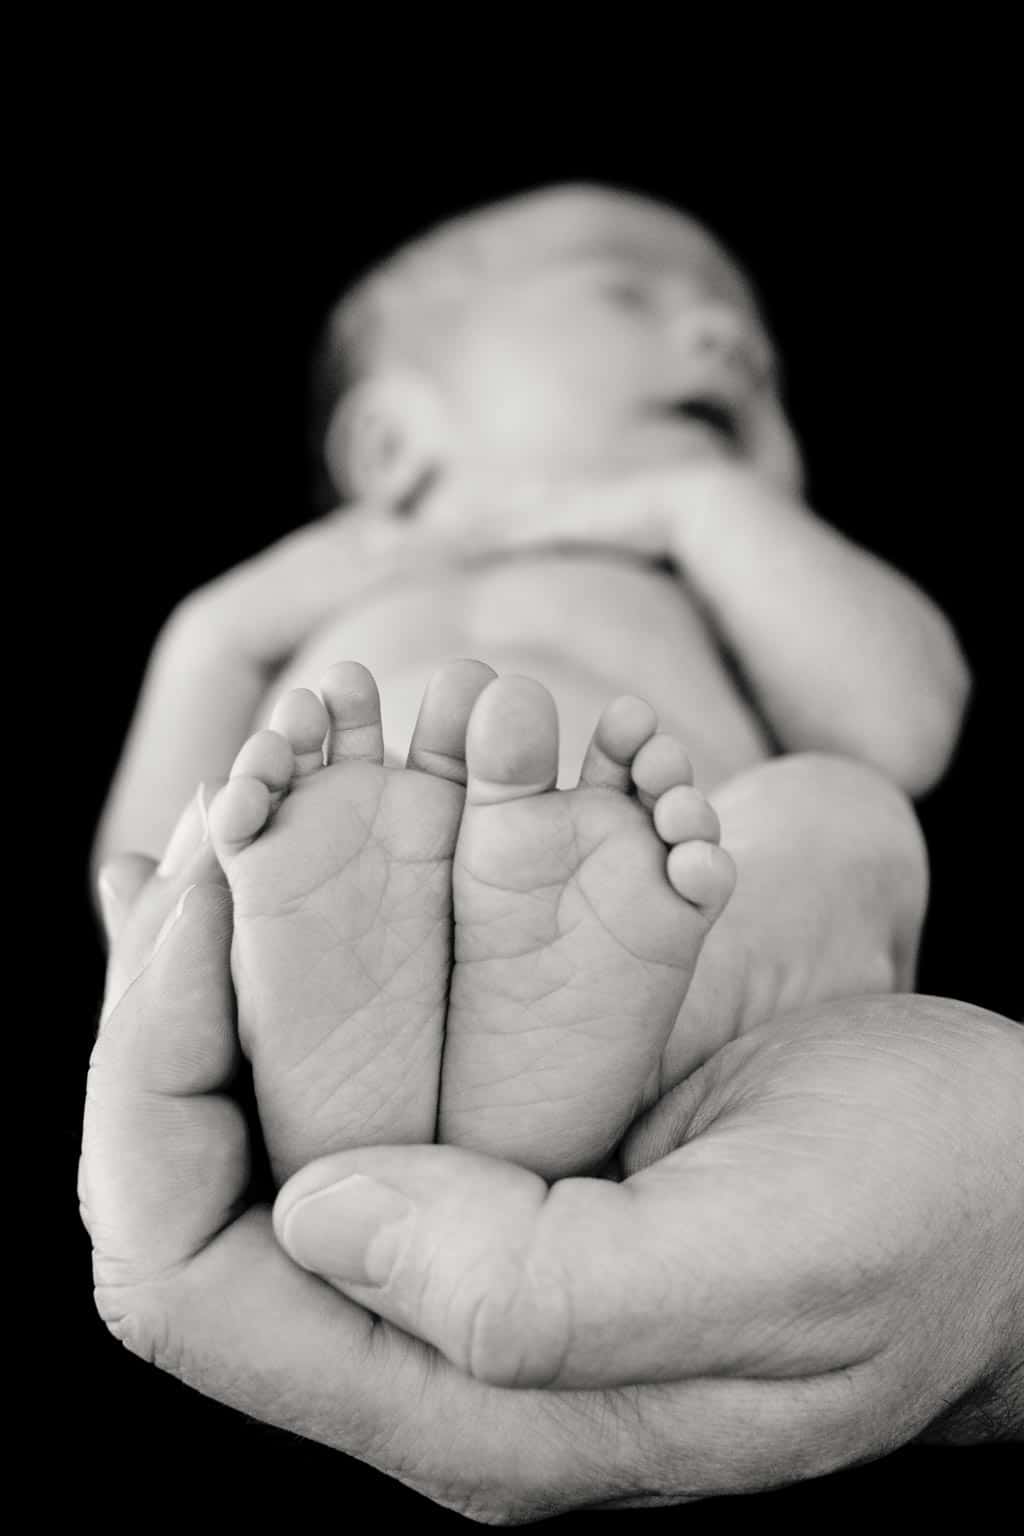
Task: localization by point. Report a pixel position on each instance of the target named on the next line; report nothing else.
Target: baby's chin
(652, 446)
(659, 450)
(637, 453)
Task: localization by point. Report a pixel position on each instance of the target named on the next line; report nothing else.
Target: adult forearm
(842, 652)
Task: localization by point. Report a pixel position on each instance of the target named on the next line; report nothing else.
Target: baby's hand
(647, 512)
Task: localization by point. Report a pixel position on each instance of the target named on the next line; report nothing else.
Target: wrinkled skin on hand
(814, 1252)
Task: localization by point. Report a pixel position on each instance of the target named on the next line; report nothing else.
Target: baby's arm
(217, 657)
(842, 652)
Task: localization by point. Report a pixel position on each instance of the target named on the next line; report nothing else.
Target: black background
(197, 242)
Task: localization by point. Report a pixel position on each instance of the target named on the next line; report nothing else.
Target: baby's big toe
(353, 707)
(511, 742)
(438, 743)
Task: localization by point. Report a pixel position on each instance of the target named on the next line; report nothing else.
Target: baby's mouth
(711, 412)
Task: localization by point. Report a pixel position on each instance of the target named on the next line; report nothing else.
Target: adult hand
(821, 1259)
(817, 1253)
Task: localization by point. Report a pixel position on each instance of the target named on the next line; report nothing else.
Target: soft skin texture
(578, 917)
(815, 1255)
(575, 522)
(541, 374)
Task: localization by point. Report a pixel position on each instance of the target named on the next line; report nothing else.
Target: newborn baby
(559, 423)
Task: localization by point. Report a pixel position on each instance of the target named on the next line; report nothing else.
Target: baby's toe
(438, 743)
(353, 708)
(660, 764)
(266, 756)
(511, 742)
(260, 776)
(625, 725)
(703, 874)
(238, 814)
(300, 717)
(683, 815)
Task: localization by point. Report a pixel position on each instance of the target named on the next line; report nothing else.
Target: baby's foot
(341, 877)
(576, 928)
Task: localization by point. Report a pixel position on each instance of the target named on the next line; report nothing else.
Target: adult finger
(188, 1279)
(118, 885)
(164, 1154)
(324, 1369)
(138, 896)
(695, 1266)
(164, 1159)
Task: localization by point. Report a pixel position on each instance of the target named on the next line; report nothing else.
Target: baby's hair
(402, 308)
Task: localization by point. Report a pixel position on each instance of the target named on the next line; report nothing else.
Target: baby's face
(610, 351)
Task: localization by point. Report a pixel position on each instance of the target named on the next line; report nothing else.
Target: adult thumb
(688, 1268)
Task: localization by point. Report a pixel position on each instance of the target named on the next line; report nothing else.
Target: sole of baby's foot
(340, 872)
(579, 918)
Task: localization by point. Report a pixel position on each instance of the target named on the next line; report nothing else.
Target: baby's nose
(718, 333)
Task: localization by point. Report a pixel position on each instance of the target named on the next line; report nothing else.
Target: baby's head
(575, 331)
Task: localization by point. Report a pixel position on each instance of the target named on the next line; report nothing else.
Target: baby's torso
(588, 626)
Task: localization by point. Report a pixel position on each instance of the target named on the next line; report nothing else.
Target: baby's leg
(830, 897)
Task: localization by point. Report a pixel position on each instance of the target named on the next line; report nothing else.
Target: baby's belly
(588, 627)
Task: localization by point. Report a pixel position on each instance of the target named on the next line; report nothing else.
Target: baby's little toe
(355, 733)
(301, 718)
(703, 874)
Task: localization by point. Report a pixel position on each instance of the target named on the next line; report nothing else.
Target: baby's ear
(387, 436)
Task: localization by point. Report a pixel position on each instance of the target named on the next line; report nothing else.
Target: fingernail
(169, 922)
(350, 1231)
(186, 838)
(203, 798)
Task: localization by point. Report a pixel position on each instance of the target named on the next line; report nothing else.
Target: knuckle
(142, 1328)
(519, 1329)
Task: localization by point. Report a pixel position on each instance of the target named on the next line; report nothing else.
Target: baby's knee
(841, 815)
(880, 830)
(875, 813)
